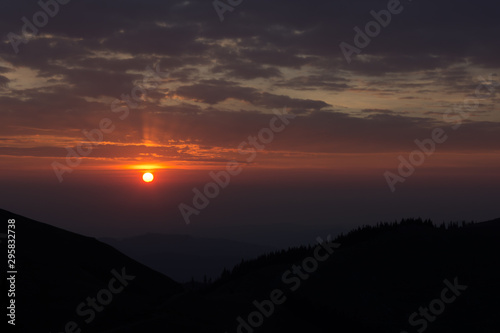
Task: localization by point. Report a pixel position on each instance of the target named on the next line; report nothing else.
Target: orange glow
(146, 166)
(148, 177)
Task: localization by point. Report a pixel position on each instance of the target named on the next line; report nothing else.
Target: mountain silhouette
(57, 270)
(375, 280)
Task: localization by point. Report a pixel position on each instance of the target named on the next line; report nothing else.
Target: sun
(148, 177)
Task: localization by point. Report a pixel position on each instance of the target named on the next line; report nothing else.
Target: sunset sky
(212, 84)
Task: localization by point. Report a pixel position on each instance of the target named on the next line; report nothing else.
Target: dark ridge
(58, 270)
(378, 277)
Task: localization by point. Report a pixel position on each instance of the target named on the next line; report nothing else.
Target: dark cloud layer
(264, 55)
(426, 35)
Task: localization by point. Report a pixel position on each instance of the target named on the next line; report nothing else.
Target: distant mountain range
(399, 277)
(184, 257)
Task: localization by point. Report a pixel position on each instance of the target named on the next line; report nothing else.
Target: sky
(334, 95)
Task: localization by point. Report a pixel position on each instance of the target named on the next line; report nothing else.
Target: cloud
(215, 91)
(3, 81)
(313, 82)
(226, 77)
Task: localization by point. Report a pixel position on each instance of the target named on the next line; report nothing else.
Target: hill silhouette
(375, 279)
(58, 270)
